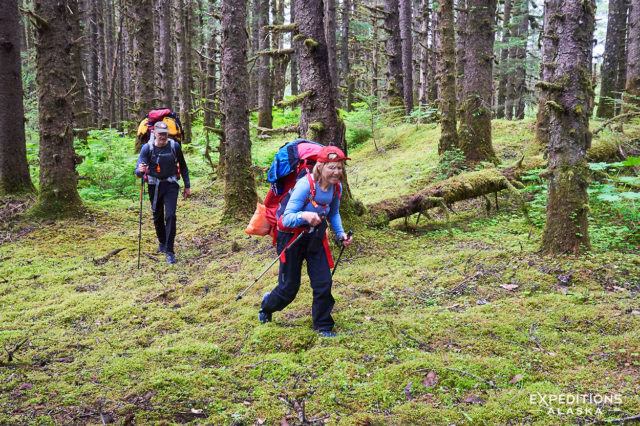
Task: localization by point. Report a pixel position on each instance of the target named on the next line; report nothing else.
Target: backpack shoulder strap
(312, 187)
(173, 149)
(337, 190)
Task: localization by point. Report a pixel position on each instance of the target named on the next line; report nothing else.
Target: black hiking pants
(289, 280)
(164, 215)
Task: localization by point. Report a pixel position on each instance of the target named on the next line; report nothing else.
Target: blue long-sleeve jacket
(292, 216)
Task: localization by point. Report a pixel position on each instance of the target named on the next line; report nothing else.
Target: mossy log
(457, 188)
(471, 185)
(276, 52)
(294, 128)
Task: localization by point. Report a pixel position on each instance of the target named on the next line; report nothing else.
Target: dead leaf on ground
(430, 380)
(407, 391)
(516, 378)
(474, 400)
(509, 286)
(283, 422)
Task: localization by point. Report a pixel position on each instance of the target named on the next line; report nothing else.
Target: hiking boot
(162, 248)
(326, 333)
(264, 317)
(171, 258)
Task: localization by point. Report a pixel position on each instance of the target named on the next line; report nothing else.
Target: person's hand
(186, 193)
(142, 168)
(346, 240)
(311, 218)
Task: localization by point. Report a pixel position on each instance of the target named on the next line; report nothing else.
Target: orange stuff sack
(259, 225)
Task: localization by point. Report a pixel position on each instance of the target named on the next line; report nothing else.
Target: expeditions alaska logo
(574, 404)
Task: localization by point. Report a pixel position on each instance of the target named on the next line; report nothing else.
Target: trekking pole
(268, 267)
(140, 229)
(349, 234)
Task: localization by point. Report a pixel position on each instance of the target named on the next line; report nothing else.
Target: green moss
(310, 43)
(175, 339)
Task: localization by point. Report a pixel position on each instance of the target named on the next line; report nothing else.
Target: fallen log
(443, 193)
(471, 185)
(280, 130)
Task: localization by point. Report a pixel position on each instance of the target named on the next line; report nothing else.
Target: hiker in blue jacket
(314, 200)
(162, 162)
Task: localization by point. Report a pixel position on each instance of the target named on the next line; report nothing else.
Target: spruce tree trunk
(280, 62)
(520, 73)
(139, 12)
(183, 59)
(475, 121)
(80, 112)
(330, 35)
(395, 88)
(566, 230)
(375, 61)
(58, 196)
(294, 56)
(632, 86)
(265, 117)
(461, 40)
(345, 78)
(549, 51)
(407, 53)
(434, 75)
(210, 78)
(14, 170)
(254, 48)
(504, 63)
(240, 189)
(165, 67)
(449, 135)
(611, 64)
(424, 54)
(318, 118)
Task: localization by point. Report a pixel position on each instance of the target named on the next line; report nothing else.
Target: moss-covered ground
(474, 327)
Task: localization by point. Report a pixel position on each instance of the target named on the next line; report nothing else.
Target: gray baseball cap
(161, 127)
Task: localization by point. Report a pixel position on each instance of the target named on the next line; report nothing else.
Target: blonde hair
(317, 170)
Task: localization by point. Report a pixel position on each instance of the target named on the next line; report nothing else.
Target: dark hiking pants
(164, 216)
(289, 281)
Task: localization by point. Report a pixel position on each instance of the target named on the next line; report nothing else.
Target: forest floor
(433, 328)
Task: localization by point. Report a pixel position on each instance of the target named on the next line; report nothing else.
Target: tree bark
(395, 88)
(318, 119)
(80, 113)
(434, 73)
(612, 62)
(475, 123)
(139, 12)
(345, 77)
(520, 73)
(239, 190)
(449, 135)
(504, 55)
(424, 53)
(632, 87)
(330, 35)
(265, 117)
(58, 195)
(566, 230)
(165, 67)
(255, 48)
(280, 62)
(461, 40)
(407, 53)
(183, 60)
(294, 56)
(14, 169)
(549, 54)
